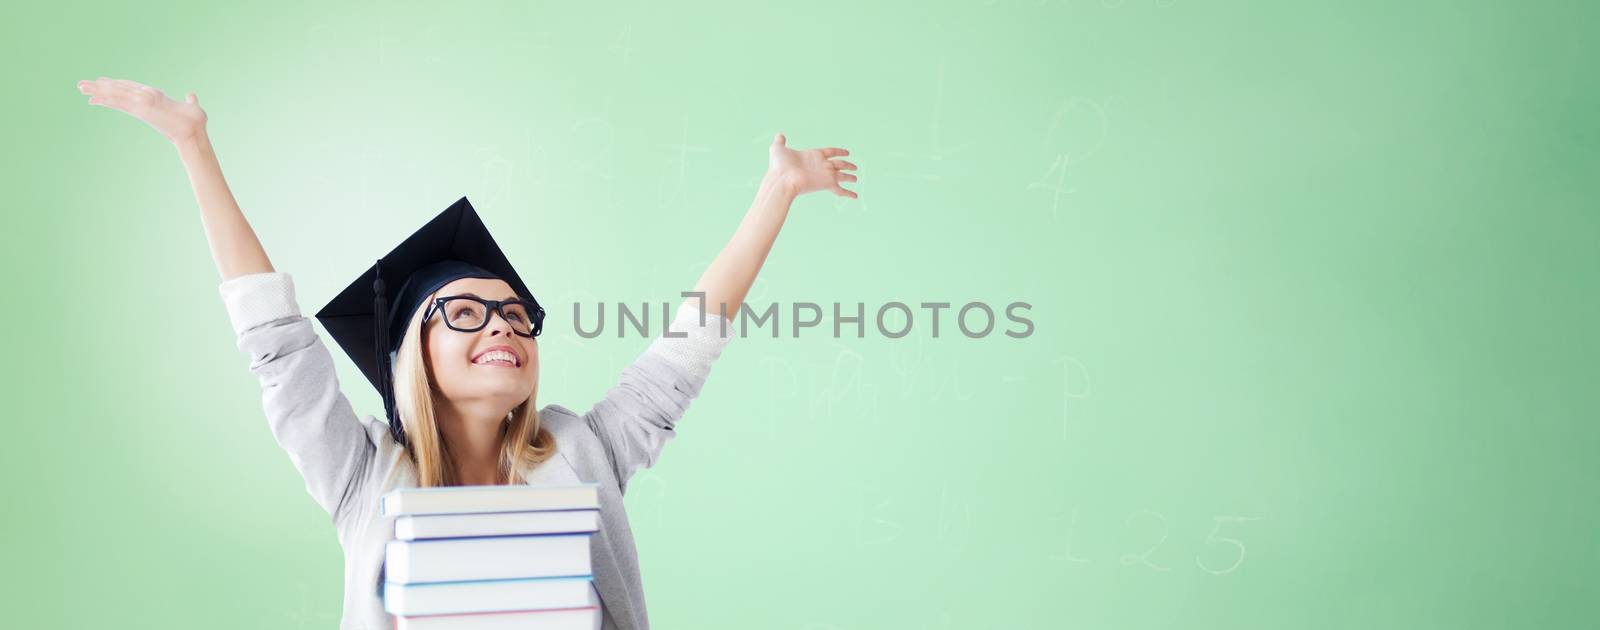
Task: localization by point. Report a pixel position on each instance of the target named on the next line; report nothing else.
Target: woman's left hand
(809, 170)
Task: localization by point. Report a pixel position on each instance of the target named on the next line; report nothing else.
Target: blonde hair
(523, 442)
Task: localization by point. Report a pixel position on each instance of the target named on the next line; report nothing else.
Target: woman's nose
(498, 325)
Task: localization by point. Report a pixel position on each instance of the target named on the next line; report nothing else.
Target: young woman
(464, 390)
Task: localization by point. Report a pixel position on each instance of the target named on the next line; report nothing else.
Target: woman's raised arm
(234, 246)
(311, 419)
(639, 415)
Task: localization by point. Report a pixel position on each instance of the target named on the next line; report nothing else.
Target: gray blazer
(348, 462)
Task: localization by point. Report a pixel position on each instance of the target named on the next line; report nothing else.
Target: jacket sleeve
(638, 415)
(310, 418)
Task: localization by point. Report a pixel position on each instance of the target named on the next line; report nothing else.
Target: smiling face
(491, 370)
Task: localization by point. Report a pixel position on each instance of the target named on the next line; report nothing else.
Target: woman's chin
(510, 396)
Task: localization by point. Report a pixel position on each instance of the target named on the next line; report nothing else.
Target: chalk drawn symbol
(1076, 132)
(1144, 558)
(1072, 530)
(907, 368)
(1057, 188)
(1080, 125)
(955, 518)
(623, 43)
(683, 149)
(940, 152)
(1214, 539)
(854, 386)
(883, 530)
(1070, 365)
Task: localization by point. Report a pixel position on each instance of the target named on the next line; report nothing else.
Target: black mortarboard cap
(368, 318)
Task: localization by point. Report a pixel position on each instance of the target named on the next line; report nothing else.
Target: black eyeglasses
(466, 313)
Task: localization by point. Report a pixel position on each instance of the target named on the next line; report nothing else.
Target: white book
(492, 558)
(495, 524)
(477, 499)
(569, 619)
(446, 598)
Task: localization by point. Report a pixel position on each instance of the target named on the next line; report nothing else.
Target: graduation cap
(368, 318)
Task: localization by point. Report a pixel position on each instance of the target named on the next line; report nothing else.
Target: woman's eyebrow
(483, 298)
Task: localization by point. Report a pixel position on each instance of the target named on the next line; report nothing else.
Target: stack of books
(475, 557)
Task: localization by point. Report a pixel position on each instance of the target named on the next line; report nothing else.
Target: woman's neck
(474, 443)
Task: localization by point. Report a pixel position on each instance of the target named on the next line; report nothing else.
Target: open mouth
(497, 357)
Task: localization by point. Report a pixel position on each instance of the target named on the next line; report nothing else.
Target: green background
(1314, 287)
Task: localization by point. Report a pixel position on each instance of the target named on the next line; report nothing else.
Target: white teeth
(497, 355)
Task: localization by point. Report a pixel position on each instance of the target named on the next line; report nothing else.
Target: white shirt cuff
(257, 298)
(701, 344)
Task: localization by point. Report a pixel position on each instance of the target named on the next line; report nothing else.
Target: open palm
(177, 121)
(809, 170)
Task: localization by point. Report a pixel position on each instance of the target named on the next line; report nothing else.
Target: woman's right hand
(179, 122)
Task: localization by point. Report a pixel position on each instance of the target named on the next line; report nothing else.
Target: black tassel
(380, 307)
